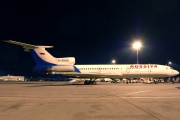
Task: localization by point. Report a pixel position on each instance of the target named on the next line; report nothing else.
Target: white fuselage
(127, 70)
(47, 64)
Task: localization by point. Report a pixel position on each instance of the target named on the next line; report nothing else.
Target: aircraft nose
(176, 72)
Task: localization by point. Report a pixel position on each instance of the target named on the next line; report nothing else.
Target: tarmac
(104, 101)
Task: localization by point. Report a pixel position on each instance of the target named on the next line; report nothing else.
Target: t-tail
(44, 60)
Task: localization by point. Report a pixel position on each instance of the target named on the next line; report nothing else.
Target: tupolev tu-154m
(50, 65)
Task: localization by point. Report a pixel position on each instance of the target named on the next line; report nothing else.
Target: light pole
(113, 61)
(137, 46)
(169, 63)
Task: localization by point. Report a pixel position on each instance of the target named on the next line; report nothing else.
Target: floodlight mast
(137, 46)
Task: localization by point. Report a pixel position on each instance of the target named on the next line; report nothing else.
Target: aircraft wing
(90, 75)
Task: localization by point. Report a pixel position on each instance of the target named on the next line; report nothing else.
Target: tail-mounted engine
(49, 68)
(63, 68)
(66, 60)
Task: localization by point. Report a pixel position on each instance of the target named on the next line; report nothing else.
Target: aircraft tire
(86, 82)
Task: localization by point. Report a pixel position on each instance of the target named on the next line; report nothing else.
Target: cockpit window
(171, 68)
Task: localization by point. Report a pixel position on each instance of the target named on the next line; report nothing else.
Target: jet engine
(50, 68)
(66, 60)
(61, 68)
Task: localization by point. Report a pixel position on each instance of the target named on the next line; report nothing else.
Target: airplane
(50, 65)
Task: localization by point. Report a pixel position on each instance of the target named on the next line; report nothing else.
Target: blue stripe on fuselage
(76, 69)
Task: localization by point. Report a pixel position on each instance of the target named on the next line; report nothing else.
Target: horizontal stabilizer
(27, 46)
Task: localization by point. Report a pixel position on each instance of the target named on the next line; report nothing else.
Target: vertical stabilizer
(40, 55)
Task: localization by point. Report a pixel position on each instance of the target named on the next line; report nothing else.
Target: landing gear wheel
(86, 82)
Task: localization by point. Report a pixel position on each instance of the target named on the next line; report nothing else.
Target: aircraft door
(127, 69)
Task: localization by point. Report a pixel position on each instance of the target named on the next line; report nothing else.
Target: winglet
(27, 46)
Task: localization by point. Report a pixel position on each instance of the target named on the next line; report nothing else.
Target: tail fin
(40, 55)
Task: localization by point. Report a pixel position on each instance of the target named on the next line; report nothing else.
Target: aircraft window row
(98, 68)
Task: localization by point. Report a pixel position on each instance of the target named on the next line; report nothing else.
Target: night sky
(92, 31)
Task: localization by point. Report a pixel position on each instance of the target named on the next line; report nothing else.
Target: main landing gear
(90, 82)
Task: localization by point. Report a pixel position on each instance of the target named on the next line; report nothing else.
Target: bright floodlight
(169, 63)
(113, 61)
(137, 45)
